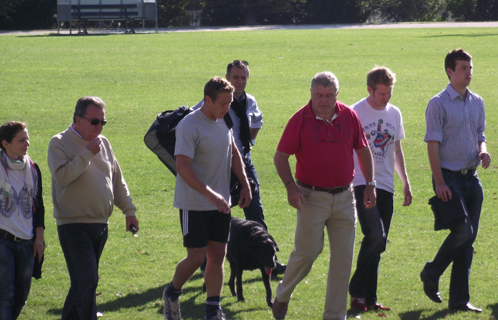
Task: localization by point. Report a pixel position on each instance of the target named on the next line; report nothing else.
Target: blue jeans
(82, 245)
(16, 270)
(458, 245)
(375, 224)
(254, 211)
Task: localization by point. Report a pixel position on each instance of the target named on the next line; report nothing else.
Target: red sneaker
(359, 304)
(377, 307)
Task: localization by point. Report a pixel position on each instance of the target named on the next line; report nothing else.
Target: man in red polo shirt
(322, 135)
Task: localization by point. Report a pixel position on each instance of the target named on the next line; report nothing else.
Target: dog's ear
(275, 242)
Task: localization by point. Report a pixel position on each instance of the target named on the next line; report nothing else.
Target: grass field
(41, 77)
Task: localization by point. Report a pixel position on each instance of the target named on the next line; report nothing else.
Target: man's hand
(94, 145)
(485, 159)
(408, 195)
(245, 197)
(131, 220)
(219, 201)
(443, 192)
(369, 197)
(295, 196)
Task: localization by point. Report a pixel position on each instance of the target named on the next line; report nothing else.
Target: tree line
(42, 14)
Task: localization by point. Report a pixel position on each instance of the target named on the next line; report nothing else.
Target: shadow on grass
(494, 310)
(470, 35)
(417, 315)
(139, 302)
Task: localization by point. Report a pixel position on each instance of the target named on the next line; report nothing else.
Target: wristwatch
(253, 142)
(371, 183)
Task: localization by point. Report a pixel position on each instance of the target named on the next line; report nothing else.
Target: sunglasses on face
(95, 122)
(239, 62)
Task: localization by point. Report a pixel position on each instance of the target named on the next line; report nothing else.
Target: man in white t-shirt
(383, 127)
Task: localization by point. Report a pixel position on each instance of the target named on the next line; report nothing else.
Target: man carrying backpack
(247, 119)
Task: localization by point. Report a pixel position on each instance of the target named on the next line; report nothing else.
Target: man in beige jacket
(86, 184)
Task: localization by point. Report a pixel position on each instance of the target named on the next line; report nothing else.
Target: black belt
(463, 171)
(9, 236)
(328, 190)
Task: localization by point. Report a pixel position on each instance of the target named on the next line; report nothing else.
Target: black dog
(250, 247)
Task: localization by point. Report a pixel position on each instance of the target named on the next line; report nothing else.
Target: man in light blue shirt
(456, 146)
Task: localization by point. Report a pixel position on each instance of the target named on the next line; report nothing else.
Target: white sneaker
(171, 307)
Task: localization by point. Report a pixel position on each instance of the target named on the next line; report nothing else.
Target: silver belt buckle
(464, 171)
(16, 239)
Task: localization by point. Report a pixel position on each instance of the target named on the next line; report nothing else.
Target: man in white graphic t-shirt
(383, 127)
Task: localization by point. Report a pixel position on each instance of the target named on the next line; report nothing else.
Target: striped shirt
(458, 125)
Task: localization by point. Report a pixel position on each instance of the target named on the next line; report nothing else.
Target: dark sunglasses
(95, 122)
(239, 62)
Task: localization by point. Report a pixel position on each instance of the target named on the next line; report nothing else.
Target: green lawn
(41, 77)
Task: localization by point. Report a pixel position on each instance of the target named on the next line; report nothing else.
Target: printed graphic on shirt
(10, 202)
(380, 137)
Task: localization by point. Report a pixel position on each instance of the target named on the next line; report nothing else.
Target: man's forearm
(281, 161)
(435, 161)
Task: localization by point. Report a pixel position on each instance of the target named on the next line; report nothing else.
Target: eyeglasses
(239, 62)
(95, 122)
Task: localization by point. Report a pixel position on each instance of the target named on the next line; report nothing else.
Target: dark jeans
(375, 224)
(82, 245)
(457, 247)
(16, 269)
(254, 211)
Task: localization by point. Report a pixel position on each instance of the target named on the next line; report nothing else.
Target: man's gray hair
(83, 103)
(325, 79)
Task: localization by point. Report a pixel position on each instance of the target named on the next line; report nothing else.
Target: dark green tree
(473, 10)
(461, 10)
(27, 14)
(409, 10)
(250, 12)
(172, 13)
(5, 9)
(336, 11)
(486, 10)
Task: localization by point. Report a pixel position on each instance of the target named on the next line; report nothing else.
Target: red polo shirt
(324, 151)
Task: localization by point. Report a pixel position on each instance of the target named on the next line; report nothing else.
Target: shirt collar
(452, 92)
(308, 112)
(242, 97)
(74, 130)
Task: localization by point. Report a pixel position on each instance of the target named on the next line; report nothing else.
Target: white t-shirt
(382, 128)
(16, 199)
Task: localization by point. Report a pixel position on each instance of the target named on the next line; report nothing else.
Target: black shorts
(199, 227)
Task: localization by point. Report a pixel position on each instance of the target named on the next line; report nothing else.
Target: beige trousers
(338, 214)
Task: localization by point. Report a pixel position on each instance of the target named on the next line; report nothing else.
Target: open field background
(41, 77)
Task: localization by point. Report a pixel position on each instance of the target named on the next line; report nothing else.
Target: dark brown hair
(9, 130)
